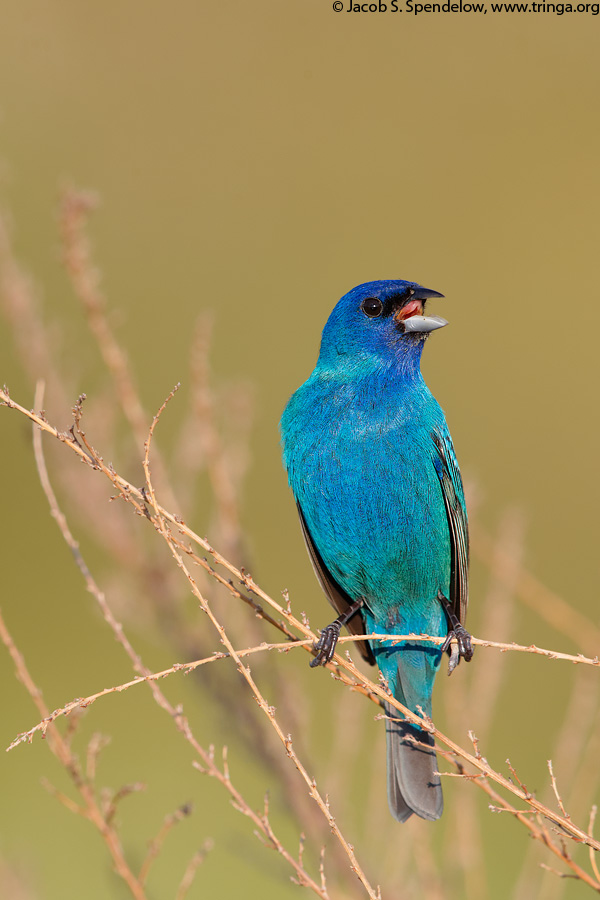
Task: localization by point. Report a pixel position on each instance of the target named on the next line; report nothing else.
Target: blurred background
(253, 162)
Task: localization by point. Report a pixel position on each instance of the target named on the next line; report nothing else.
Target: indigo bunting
(372, 467)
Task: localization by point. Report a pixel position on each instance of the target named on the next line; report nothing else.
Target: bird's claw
(463, 649)
(325, 646)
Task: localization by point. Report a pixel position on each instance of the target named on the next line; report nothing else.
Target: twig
(555, 789)
(219, 470)
(80, 703)
(592, 854)
(62, 752)
(190, 872)
(62, 798)
(113, 798)
(162, 520)
(88, 453)
(156, 845)
(245, 671)
(537, 827)
(96, 744)
(553, 609)
(135, 496)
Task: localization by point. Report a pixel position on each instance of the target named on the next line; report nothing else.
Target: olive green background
(259, 159)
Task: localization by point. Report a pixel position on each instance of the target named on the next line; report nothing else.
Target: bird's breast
(363, 474)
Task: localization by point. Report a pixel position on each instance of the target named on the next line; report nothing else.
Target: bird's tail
(414, 785)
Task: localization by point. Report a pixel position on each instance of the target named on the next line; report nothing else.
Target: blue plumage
(372, 467)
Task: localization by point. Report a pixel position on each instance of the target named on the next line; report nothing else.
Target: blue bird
(372, 467)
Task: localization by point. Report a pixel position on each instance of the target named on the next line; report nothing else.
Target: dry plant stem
(96, 744)
(85, 278)
(20, 305)
(499, 610)
(464, 841)
(62, 752)
(282, 647)
(552, 608)
(122, 539)
(480, 763)
(190, 873)
(347, 720)
(137, 499)
(180, 720)
(84, 702)
(136, 496)
(112, 799)
(222, 482)
(61, 521)
(67, 802)
(245, 671)
(591, 831)
(129, 492)
(537, 829)
(156, 845)
(38, 346)
(579, 725)
(555, 789)
(478, 642)
(531, 591)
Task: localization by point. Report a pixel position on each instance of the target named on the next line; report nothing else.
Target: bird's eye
(372, 307)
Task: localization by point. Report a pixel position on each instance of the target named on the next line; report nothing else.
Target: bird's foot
(462, 648)
(325, 646)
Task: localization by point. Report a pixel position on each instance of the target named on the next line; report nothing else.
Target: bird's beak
(424, 324)
(410, 316)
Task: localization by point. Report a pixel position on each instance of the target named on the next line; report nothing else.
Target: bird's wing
(452, 492)
(338, 598)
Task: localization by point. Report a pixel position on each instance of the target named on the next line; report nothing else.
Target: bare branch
(156, 845)
(63, 753)
(190, 872)
(162, 520)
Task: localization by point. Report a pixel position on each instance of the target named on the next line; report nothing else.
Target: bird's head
(383, 319)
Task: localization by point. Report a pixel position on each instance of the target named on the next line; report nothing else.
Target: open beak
(410, 315)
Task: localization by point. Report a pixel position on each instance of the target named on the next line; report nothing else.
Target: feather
(452, 493)
(381, 504)
(413, 780)
(338, 598)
